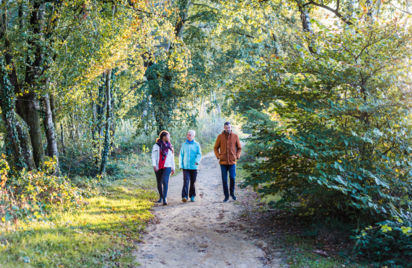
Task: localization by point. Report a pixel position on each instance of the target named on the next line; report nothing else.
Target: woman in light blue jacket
(190, 155)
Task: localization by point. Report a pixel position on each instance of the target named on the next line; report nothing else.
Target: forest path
(205, 233)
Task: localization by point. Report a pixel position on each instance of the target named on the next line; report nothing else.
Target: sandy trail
(205, 233)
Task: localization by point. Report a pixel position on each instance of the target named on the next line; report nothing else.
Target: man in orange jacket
(227, 150)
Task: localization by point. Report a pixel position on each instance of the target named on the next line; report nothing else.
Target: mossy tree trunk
(50, 130)
(14, 151)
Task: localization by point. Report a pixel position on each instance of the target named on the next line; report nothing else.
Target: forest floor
(207, 232)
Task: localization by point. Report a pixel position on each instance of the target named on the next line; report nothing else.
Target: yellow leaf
(405, 230)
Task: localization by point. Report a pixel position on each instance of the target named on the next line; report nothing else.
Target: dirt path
(205, 233)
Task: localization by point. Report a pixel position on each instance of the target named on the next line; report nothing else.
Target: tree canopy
(322, 89)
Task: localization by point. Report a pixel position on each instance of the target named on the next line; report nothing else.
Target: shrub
(129, 140)
(79, 159)
(388, 242)
(331, 133)
(325, 137)
(32, 193)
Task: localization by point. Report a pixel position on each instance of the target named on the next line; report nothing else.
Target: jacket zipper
(189, 150)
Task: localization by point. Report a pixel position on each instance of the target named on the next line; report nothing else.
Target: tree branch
(244, 34)
(334, 11)
(401, 10)
(204, 5)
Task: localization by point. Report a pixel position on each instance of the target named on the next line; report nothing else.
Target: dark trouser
(232, 174)
(189, 175)
(162, 178)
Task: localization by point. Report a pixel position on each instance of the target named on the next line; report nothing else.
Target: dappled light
(174, 133)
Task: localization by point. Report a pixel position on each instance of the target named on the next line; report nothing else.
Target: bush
(129, 140)
(387, 243)
(32, 194)
(79, 160)
(324, 143)
(331, 133)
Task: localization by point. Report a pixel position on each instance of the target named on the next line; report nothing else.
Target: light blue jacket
(190, 154)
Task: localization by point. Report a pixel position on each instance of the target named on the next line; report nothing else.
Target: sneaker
(165, 202)
(184, 199)
(159, 201)
(234, 197)
(226, 199)
(192, 199)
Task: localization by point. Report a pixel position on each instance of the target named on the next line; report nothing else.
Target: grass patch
(101, 233)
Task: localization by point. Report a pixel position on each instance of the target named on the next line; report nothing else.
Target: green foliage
(79, 160)
(387, 243)
(130, 139)
(30, 195)
(101, 231)
(330, 127)
(331, 131)
(326, 101)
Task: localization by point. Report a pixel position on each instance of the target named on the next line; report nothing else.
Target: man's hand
(196, 163)
(155, 169)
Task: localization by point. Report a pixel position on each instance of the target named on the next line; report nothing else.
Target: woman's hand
(173, 172)
(155, 169)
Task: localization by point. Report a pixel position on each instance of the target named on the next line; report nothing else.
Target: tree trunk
(28, 109)
(53, 109)
(62, 138)
(14, 151)
(94, 119)
(98, 118)
(106, 147)
(72, 130)
(24, 137)
(17, 145)
(100, 106)
(112, 109)
(307, 26)
(50, 131)
(28, 105)
(183, 7)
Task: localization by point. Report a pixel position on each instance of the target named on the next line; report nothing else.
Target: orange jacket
(227, 148)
